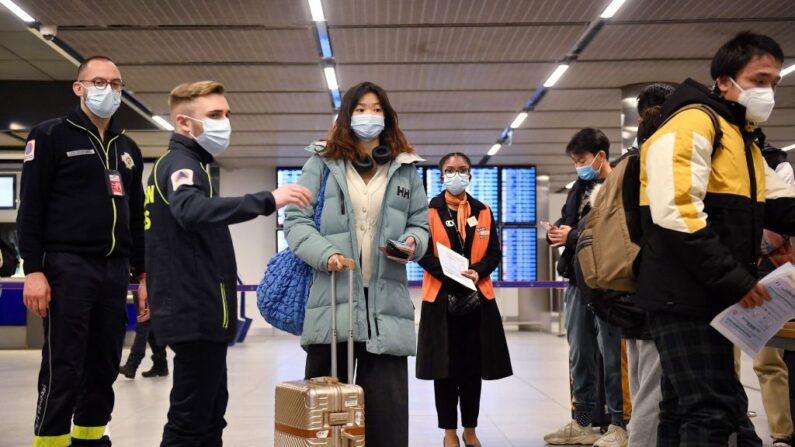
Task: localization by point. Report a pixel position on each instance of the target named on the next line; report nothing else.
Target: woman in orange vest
(461, 339)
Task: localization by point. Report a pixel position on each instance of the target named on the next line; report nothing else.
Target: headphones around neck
(381, 156)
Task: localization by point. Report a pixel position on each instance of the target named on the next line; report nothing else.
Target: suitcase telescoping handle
(349, 265)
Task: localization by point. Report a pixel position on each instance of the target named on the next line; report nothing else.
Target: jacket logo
(128, 161)
(30, 151)
(403, 192)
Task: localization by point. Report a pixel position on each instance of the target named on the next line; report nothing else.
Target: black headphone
(381, 156)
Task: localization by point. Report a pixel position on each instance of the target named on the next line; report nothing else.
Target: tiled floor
(516, 411)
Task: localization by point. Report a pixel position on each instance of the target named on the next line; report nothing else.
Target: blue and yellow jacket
(704, 208)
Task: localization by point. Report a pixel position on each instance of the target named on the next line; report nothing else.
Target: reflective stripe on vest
(431, 285)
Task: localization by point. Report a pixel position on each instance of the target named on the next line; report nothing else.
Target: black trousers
(384, 379)
(198, 397)
(448, 392)
(83, 335)
(703, 401)
(144, 334)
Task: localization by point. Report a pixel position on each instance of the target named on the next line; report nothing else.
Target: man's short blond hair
(187, 92)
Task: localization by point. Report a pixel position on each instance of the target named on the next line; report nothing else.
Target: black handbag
(463, 305)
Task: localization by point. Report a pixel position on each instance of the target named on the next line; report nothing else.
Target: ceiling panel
(682, 40)
(318, 122)
(492, 44)
(524, 76)
(391, 12)
(591, 99)
(487, 137)
(255, 102)
(705, 9)
(158, 12)
(590, 74)
(459, 101)
(253, 138)
(194, 46)
(235, 78)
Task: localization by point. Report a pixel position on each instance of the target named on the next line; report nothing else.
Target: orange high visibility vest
(431, 285)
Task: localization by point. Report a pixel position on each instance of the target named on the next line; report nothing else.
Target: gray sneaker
(614, 437)
(572, 434)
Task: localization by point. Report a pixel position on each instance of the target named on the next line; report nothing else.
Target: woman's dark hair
(588, 140)
(650, 103)
(454, 154)
(736, 53)
(341, 142)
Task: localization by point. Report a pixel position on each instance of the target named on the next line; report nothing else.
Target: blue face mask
(588, 173)
(367, 127)
(456, 183)
(103, 102)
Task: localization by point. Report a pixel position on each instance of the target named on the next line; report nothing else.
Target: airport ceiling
(457, 71)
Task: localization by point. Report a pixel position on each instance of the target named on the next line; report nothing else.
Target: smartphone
(546, 225)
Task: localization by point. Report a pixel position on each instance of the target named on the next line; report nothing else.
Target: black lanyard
(455, 229)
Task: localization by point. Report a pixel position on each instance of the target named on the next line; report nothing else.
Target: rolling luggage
(322, 411)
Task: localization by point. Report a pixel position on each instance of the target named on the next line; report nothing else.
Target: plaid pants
(703, 401)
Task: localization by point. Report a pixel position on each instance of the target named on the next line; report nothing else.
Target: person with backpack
(588, 335)
(704, 202)
(373, 199)
(461, 339)
(769, 364)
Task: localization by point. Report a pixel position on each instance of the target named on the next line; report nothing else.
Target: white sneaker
(615, 437)
(572, 434)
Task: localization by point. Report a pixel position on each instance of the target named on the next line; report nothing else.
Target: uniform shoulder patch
(181, 177)
(30, 150)
(128, 160)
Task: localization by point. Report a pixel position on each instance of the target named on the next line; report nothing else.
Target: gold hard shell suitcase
(322, 411)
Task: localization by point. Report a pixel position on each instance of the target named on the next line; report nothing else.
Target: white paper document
(453, 264)
(751, 329)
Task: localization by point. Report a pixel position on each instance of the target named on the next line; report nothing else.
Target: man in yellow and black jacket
(704, 209)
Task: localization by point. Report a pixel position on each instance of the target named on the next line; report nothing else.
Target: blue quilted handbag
(283, 291)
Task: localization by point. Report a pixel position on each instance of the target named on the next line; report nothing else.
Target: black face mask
(381, 156)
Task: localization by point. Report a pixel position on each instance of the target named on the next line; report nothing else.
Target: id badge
(115, 185)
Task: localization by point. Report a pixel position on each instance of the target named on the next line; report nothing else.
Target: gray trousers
(645, 373)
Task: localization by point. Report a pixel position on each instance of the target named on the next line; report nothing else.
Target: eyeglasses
(101, 84)
(451, 171)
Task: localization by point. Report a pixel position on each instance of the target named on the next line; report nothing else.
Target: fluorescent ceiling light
(556, 75)
(543, 178)
(162, 123)
(19, 12)
(612, 8)
(788, 148)
(519, 120)
(317, 11)
(494, 149)
(331, 78)
(787, 70)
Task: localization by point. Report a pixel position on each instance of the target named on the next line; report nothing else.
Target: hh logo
(403, 192)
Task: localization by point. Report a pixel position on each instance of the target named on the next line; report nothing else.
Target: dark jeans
(144, 334)
(588, 335)
(83, 335)
(384, 379)
(198, 397)
(703, 401)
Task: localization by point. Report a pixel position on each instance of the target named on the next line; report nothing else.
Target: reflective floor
(516, 411)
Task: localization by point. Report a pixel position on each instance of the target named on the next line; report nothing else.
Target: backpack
(609, 247)
(283, 292)
(9, 259)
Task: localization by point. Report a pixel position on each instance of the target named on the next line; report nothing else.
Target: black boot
(158, 370)
(128, 371)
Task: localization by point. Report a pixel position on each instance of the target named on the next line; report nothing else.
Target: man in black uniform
(80, 226)
(191, 260)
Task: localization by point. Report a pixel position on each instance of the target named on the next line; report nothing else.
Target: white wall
(255, 240)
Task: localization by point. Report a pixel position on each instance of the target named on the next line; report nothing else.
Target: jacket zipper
(106, 149)
(225, 306)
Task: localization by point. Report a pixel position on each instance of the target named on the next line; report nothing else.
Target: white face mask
(103, 102)
(456, 183)
(758, 102)
(216, 135)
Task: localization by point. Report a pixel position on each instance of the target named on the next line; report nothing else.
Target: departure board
(484, 186)
(519, 254)
(518, 195)
(285, 176)
(414, 271)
